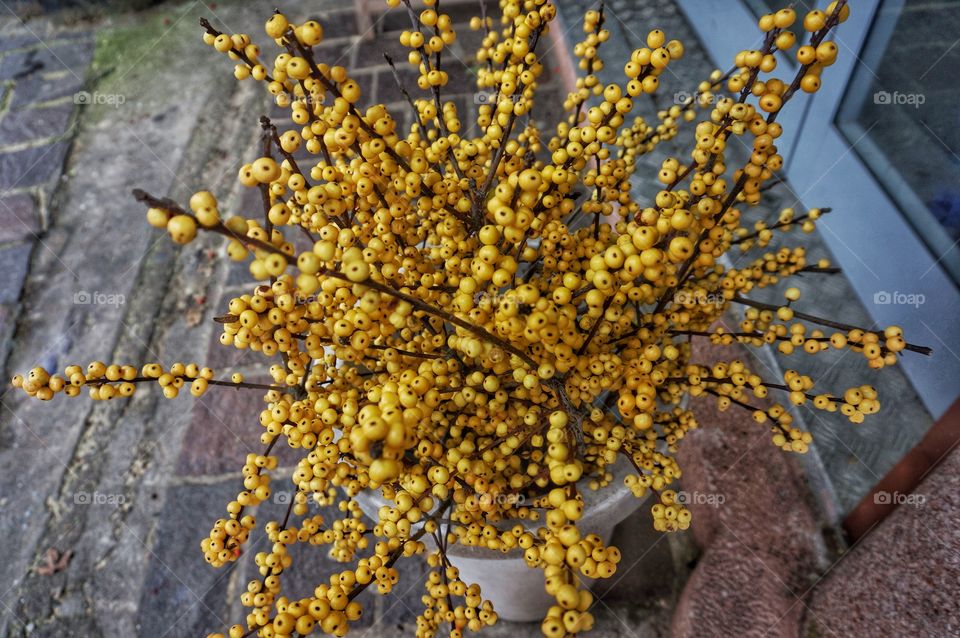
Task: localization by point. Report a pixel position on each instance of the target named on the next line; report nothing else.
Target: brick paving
(38, 78)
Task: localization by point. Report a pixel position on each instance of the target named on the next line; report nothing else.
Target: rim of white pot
(603, 509)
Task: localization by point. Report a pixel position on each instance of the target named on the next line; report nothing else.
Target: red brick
(224, 428)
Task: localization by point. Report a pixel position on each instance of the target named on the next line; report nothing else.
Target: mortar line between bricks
(68, 474)
(44, 104)
(59, 74)
(19, 190)
(353, 49)
(38, 143)
(41, 199)
(6, 97)
(213, 479)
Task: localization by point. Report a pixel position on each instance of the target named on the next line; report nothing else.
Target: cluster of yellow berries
(223, 544)
(483, 324)
(115, 380)
(426, 48)
(329, 611)
(443, 585)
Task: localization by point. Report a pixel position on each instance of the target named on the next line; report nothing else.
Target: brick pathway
(39, 78)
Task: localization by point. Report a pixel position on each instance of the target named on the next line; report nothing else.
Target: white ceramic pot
(516, 590)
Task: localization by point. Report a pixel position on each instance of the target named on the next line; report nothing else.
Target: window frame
(869, 230)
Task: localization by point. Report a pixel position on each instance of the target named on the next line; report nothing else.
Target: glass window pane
(901, 114)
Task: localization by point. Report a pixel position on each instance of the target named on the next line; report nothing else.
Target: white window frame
(869, 236)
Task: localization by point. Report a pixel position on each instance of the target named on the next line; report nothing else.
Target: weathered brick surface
(73, 56)
(25, 124)
(18, 217)
(403, 604)
(223, 430)
(238, 275)
(365, 80)
(387, 90)
(644, 552)
(35, 89)
(10, 42)
(183, 595)
(32, 166)
(14, 261)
